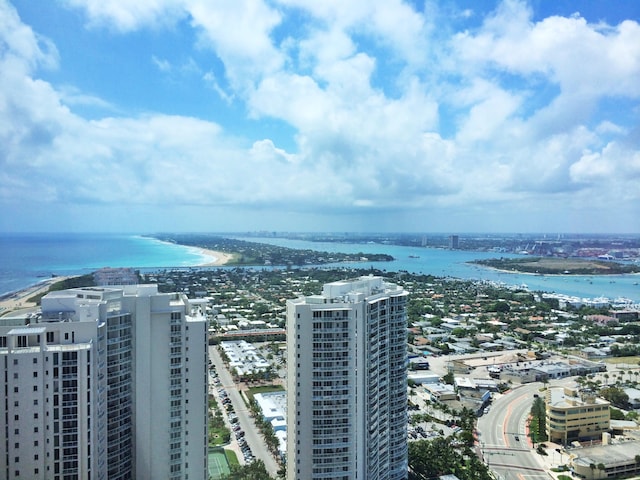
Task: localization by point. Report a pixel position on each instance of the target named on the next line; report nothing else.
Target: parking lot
(246, 439)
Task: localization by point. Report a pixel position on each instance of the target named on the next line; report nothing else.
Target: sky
(333, 115)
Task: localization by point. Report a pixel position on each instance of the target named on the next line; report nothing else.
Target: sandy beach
(19, 299)
(217, 258)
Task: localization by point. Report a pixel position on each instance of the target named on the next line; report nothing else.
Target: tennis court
(218, 464)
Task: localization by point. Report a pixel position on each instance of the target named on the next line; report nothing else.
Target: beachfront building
(575, 414)
(107, 383)
(347, 382)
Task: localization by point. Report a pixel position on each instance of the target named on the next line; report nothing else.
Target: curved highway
(502, 436)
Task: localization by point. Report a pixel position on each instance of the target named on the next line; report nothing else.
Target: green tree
(431, 458)
(616, 414)
(448, 378)
(253, 471)
(616, 396)
(500, 307)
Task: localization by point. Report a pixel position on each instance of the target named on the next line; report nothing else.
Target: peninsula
(243, 253)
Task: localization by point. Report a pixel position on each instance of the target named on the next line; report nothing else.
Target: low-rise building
(575, 414)
(619, 460)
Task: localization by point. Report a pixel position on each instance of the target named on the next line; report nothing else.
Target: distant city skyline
(298, 115)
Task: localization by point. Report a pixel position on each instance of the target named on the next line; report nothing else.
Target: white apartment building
(107, 383)
(347, 382)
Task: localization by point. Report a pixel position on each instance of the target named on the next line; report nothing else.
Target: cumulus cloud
(385, 113)
(126, 16)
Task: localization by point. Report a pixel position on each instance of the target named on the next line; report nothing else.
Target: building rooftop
(618, 454)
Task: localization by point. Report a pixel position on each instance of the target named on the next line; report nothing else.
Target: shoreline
(219, 258)
(568, 275)
(215, 258)
(18, 300)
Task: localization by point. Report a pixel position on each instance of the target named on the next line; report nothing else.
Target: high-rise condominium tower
(107, 383)
(347, 382)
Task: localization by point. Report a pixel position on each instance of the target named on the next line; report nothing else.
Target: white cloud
(211, 80)
(500, 114)
(72, 96)
(239, 31)
(585, 59)
(614, 163)
(126, 16)
(162, 64)
(491, 108)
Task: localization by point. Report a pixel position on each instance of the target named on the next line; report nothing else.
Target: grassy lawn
(232, 458)
(264, 389)
(218, 436)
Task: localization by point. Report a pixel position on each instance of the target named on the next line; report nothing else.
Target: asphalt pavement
(252, 435)
(504, 441)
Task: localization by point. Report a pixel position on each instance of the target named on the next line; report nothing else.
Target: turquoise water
(26, 259)
(454, 263)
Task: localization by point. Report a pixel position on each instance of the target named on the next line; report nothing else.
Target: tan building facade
(575, 414)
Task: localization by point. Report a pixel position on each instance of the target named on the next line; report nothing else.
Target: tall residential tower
(347, 382)
(106, 383)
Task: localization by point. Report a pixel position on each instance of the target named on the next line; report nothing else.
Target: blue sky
(299, 115)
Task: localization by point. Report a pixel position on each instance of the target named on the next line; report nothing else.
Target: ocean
(28, 258)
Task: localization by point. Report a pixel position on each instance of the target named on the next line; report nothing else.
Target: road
(252, 434)
(503, 436)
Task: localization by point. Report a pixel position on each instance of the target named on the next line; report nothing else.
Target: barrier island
(245, 253)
